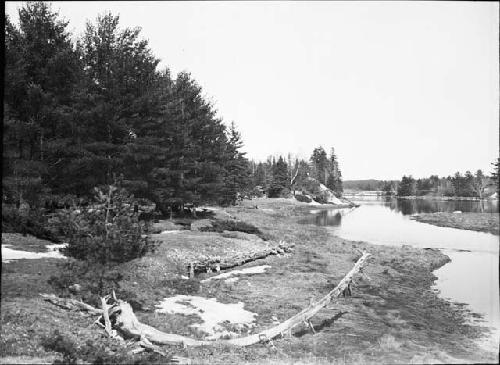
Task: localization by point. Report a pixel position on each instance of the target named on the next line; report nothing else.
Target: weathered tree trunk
(124, 320)
(130, 326)
(215, 264)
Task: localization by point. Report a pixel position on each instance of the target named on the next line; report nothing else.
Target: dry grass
(482, 222)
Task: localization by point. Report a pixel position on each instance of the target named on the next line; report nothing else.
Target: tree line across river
(81, 113)
(477, 185)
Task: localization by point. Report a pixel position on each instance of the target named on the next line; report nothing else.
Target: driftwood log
(216, 264)
(71, 304)
(124, 320)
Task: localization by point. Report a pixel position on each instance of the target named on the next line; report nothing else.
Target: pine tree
(320, 164)
(42, 68)
(334, 181)
(494, 174)
(480, 182)
(280, 184)
(237, 173)
(407, 186)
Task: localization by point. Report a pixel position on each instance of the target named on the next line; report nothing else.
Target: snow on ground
(173, 231)
(211, 313)
(200, 209)
(249, 270)
(9, 254)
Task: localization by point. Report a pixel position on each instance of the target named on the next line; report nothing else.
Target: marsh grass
(394, 317)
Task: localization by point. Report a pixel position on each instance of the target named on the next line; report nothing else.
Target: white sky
(396, 87)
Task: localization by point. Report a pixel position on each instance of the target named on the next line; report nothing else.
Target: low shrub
(108, 231)
(95, 280)
(95, 352)
(34, 223)
(233, 225)
(303, 198)
(101, 237)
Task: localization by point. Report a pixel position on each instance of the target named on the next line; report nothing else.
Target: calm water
(474, 255)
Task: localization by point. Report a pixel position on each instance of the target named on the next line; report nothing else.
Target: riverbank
(482, 222)
(393, 316)
(443, 198)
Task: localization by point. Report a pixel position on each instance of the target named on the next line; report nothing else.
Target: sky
(395, 87)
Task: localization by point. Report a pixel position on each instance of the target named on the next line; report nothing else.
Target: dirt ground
(392, 317)
(482, 222)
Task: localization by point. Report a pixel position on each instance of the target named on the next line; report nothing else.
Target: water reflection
(326, 217)
(475, 255)
(409, 207)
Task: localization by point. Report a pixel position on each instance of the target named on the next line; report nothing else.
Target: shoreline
(423, 197)
(442, 198)
(392, 316)
(480, 222)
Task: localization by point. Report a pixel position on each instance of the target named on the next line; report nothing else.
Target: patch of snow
(267, 210)
(9, 254)
(457, 211)
(249, 270)
(173, 231)
(211, 313)
(199, 209)
(231, 280)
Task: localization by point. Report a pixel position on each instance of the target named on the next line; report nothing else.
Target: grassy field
(394, 317)
(482, 222)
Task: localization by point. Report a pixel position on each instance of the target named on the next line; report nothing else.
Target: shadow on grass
(326, 323)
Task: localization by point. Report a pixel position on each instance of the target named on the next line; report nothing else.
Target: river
(472, 275)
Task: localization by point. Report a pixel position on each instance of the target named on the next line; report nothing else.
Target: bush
(95, 280)
(101, 236)
(108, 231)
(33, 222)
(232, 225)
(303, 198)
(95, 352)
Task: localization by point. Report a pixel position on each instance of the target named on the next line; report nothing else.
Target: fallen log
(129, 325)
(124, 320)
(216, 264)
(71, 304)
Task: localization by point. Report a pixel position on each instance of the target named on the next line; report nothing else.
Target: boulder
(75, 288)
(303, 198)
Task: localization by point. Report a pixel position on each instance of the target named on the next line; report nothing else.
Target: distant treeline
(466, 185)
(364, 185)
(458, 185)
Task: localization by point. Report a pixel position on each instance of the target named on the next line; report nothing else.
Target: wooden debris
(71, 304)
(122, 317)
(105, 315)
(216, 264)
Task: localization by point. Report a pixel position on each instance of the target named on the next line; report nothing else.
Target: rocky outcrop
(312, 189)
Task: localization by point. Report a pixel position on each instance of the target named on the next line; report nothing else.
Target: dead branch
(216, 264)
(122, 317)
(71, 304)
(130, 326)
(105, 315)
